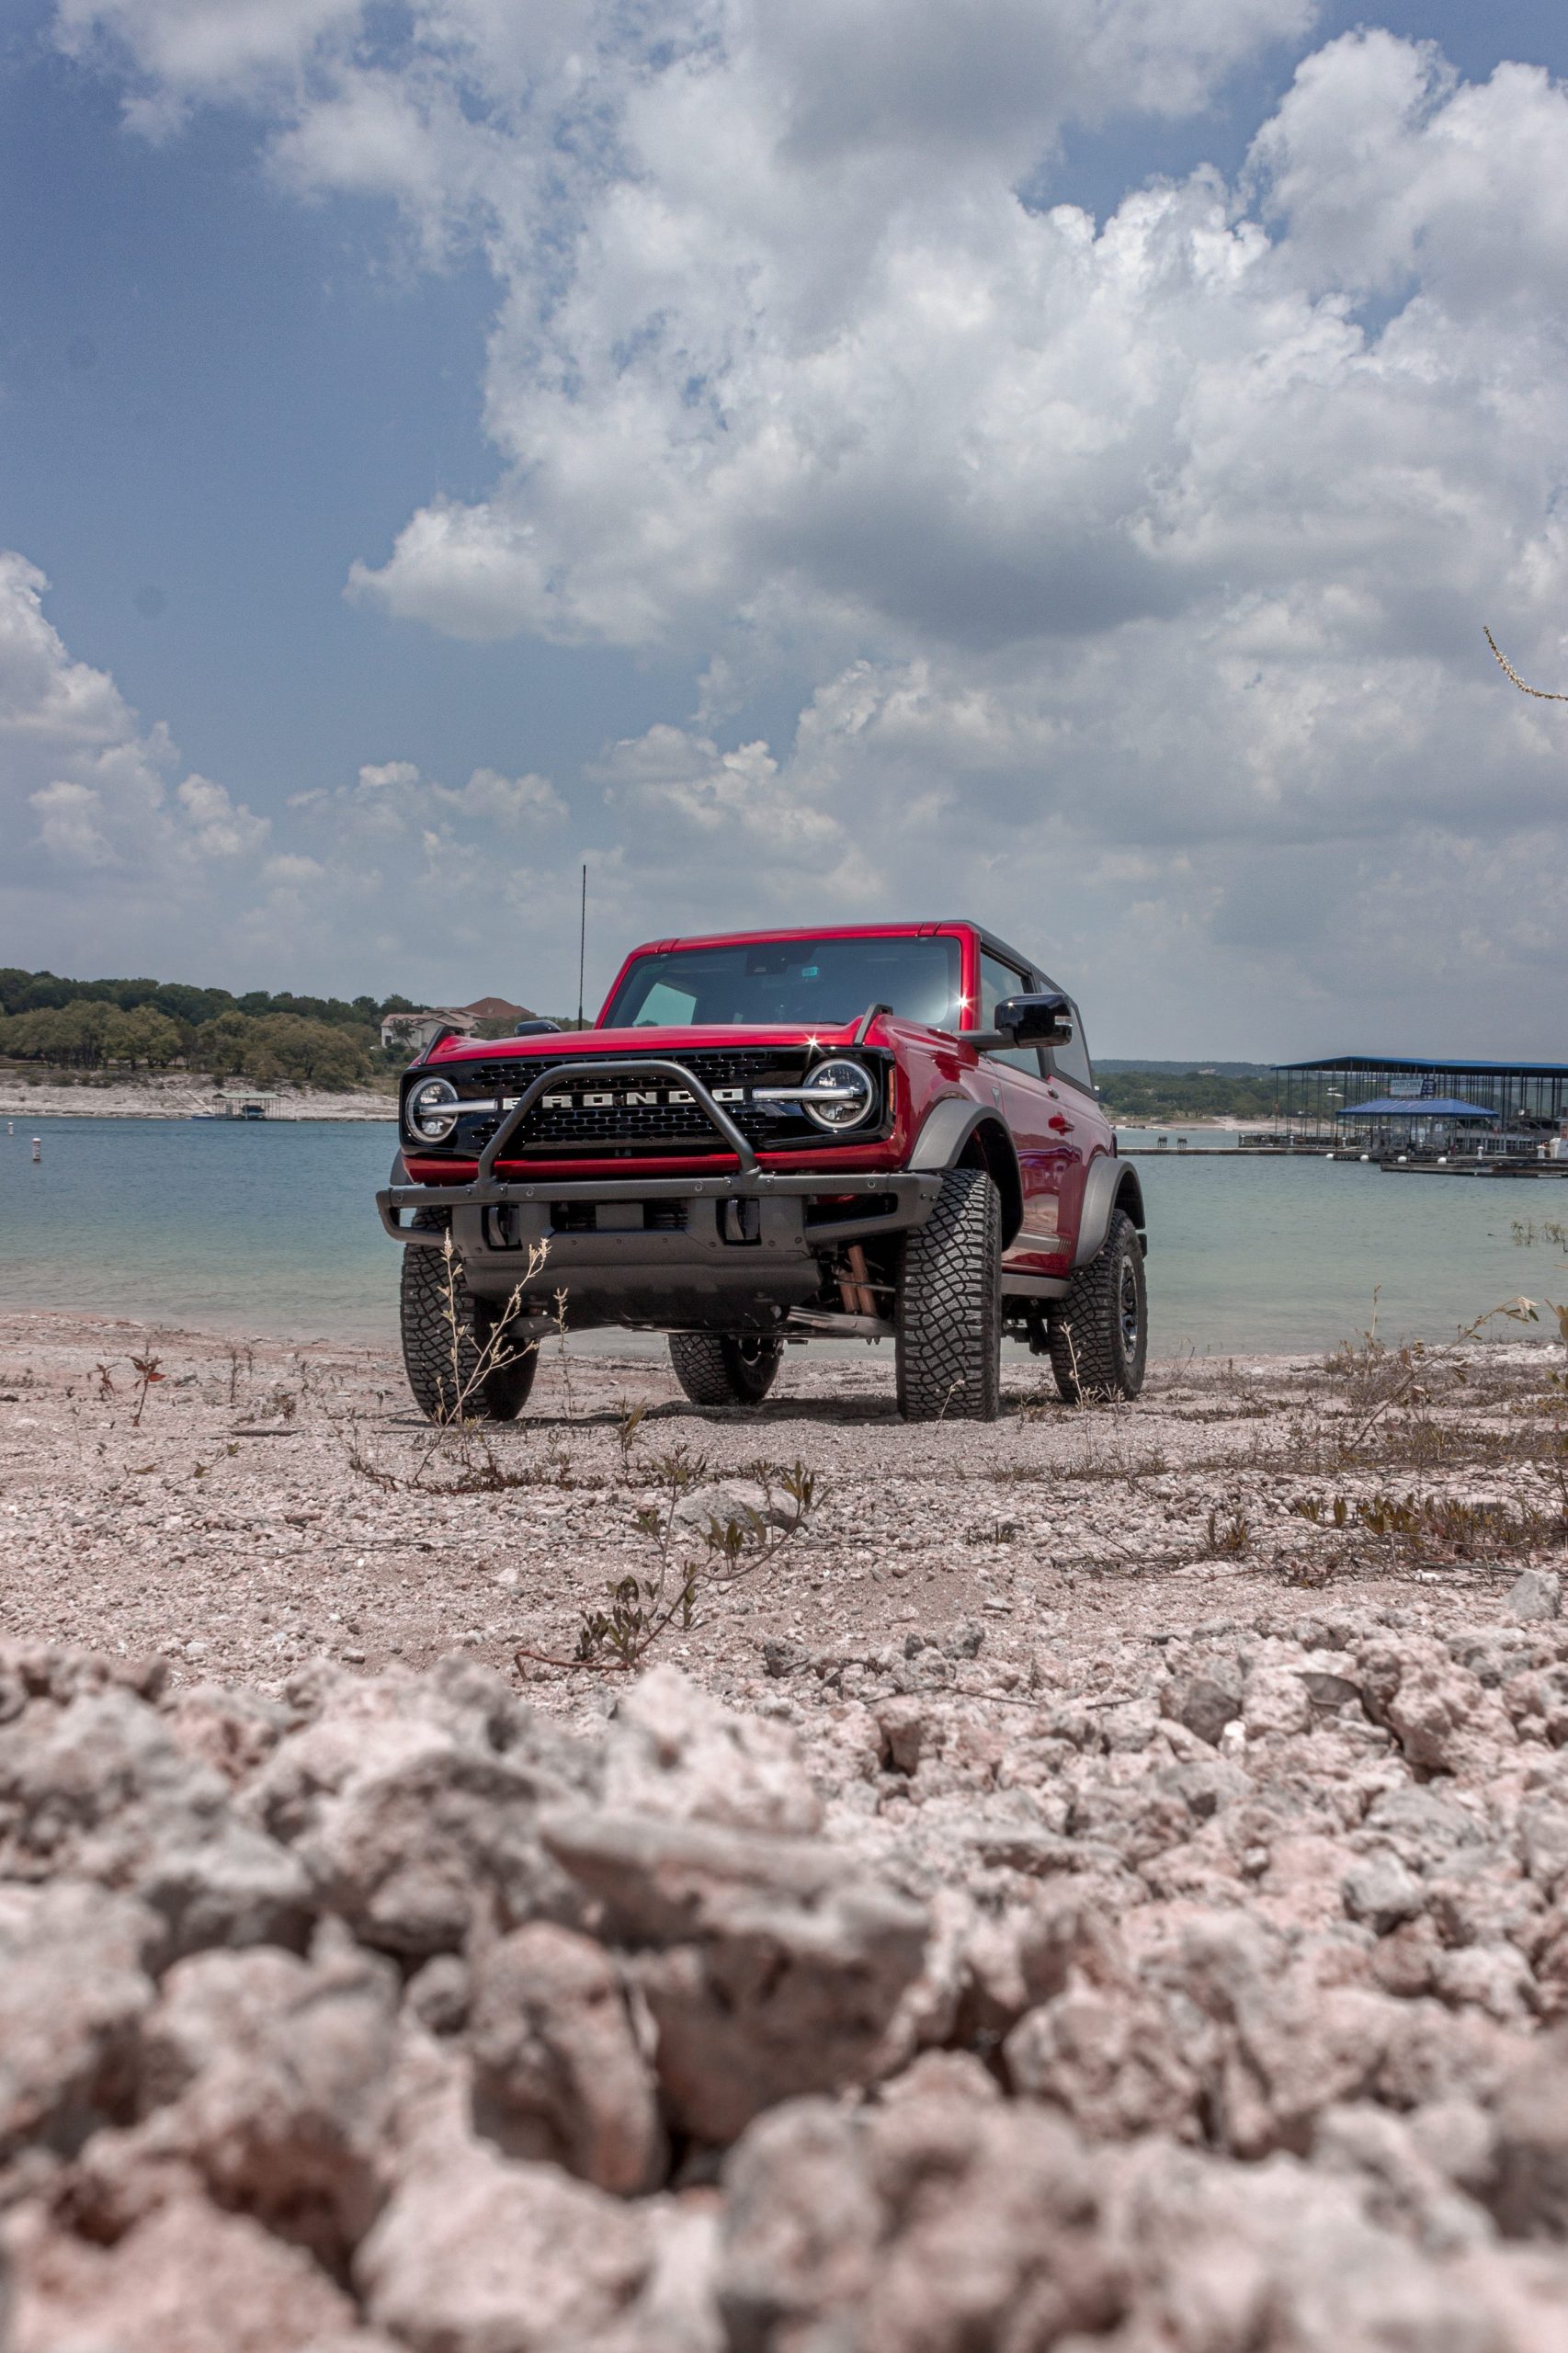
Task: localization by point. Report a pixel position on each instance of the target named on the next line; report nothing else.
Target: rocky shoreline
(1099, 1882)
(176, 1097)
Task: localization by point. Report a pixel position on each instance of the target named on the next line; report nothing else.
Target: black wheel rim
(752, 1348)
(1126, 1309)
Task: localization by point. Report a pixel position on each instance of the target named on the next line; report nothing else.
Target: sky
(1050, 461)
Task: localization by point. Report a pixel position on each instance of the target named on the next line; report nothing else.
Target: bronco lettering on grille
(659, 1096)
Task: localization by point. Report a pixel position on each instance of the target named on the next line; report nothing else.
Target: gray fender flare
(1111, 1185)
(399, 1169)
(946, 1132)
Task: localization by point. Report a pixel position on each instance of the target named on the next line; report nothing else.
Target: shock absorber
(855, 1288)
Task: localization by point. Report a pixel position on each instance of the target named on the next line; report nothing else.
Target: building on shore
(413, 1031)
(1392, 1103)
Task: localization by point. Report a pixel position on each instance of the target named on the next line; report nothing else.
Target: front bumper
(727, 1253)
(909, 1199)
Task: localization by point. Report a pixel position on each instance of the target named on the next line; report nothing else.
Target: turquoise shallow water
(272, 1229)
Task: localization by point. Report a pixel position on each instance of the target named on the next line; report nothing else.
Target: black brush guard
(759, 1262)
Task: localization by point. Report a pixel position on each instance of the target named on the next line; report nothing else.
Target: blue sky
(726, 581)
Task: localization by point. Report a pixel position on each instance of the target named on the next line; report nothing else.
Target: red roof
(497, 1008)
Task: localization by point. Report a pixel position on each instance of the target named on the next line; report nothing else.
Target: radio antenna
(582, 943)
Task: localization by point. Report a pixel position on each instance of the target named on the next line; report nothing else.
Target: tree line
(268, 1039)
(179, 1001)
(1190, 1095)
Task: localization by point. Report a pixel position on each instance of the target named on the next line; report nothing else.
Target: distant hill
(1196, 1068)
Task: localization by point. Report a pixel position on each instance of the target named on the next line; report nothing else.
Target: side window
(1071, 1061)
(998, 981)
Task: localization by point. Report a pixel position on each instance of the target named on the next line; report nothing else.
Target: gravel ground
(258, 1504)
(1099, 1884)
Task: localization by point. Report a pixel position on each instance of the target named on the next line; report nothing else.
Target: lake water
(270, 1228)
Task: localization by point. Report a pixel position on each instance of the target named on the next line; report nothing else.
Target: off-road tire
(449, 1384)
(949, 1325)
(1099, 1334)
(719, 1368)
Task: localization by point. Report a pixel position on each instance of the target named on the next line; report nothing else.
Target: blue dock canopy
(1415, 1107)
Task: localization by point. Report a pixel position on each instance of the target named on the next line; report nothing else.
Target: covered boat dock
(1407, 1111)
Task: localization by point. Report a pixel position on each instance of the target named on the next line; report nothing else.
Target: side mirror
(1045, 1020)
(535, 1028)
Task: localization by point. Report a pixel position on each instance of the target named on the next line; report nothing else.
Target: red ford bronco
(883, 1132)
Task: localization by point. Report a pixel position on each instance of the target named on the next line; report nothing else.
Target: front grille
(633, 1130)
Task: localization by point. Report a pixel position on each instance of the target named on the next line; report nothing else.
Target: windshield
(813, 981)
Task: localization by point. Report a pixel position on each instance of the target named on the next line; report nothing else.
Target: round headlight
(432, 1110)
(839, 1095)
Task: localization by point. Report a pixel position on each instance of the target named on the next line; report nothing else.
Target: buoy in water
(37, 1147)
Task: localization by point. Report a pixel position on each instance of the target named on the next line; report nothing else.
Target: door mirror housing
(1044, 1020)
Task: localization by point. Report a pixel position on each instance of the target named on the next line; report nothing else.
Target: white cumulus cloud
(106, 842)
(1136, 565)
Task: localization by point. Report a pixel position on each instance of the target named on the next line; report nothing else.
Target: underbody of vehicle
(883, 1133)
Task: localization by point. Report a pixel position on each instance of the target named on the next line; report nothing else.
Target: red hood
(885, 1030)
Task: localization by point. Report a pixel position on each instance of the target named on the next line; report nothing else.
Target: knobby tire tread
(427, 1333)
(1086, 1356)
(712, 1371)
(949, 1305)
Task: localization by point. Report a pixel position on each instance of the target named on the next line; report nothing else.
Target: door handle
(1063, 1126)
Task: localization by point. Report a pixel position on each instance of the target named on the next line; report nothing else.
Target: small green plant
(1411, 1363)
(1436, 1524)
(563, 1353)
(458, 1445)
(628, 1424)
(1355, 1358)
(1228, 1533)
(691, 1567)
(1334, 1513)
(149, 1372)
(492, 1354)
(1079, 1397)
(481, 1471)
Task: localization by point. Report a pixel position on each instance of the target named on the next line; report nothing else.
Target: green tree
(311, 1053)
(225, 1046)
(179, 1002)
(143, 1036)
(71, 1035)
(43, 992)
